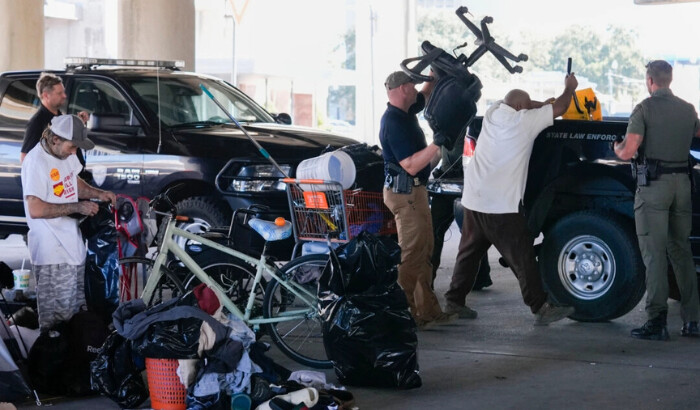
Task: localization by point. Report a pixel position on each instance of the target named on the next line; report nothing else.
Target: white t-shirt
(56, 240)
(494, 180)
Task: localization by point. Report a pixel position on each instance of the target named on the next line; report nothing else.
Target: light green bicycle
(281, 301)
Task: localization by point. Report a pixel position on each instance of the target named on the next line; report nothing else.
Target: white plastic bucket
(332, 166)
(21, 277)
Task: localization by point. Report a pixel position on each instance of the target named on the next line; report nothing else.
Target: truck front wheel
(591, 261)
(204, 212)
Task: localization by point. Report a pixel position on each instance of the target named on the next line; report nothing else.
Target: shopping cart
(323, 211)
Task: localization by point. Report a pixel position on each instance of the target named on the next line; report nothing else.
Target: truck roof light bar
(89, 63)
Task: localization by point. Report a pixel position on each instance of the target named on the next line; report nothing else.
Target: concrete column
(385, 35)
(21, 34)
(157, 30)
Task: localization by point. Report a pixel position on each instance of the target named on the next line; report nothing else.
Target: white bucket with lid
(332, 166)
(21, 277)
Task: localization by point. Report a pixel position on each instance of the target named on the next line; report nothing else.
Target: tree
(445, 30)
(594, 54)
(598, 57)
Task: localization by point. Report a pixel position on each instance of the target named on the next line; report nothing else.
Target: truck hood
(283, 142)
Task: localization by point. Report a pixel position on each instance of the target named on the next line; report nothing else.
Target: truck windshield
(179, 101)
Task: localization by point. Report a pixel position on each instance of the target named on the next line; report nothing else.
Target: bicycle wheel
(168, 287)
(302, 338)
(234, 275)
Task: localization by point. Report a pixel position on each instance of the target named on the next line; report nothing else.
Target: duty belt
(389, 181)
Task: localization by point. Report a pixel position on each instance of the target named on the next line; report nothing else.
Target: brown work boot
(441, 319)
(463, 312)
(445, 318)
(549, 313)
(422, 324)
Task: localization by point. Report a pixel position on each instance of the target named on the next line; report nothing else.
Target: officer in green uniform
(660, 131)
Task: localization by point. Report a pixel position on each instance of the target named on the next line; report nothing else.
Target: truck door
(18, 104)
(116, 162)
(695, 233)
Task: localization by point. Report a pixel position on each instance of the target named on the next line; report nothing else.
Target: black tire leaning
(301, 340)
(168, 287)
(568, 257)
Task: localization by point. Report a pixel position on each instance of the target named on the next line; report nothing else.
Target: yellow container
(588, 107)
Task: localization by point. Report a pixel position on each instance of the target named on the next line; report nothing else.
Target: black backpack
(47, 360)
(87, 332)
(59, 360)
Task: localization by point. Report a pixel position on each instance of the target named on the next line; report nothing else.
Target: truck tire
(591, 261)
(205, 211)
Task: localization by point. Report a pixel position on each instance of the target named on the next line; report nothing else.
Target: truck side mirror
(283, 118)
(113, 123)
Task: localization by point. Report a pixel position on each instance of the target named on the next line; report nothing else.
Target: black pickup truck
(579, 197)
(154, 128)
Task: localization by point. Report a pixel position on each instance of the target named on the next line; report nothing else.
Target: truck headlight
(259, 178)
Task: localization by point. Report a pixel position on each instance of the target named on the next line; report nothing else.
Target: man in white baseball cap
(52, 191)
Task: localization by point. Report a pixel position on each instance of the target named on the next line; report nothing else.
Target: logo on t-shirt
(58, 189)
(55, 175)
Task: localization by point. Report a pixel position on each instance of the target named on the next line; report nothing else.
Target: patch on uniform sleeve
(54, 174)
(58, 189)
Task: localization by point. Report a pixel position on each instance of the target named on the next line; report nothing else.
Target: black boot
(690, 329)
(654, 329)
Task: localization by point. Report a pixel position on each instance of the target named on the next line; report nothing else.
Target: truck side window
(19, 103)
(98, 97)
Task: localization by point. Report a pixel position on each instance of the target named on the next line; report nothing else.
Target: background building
(325, 61)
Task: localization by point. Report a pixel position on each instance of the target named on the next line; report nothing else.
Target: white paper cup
(21, 277)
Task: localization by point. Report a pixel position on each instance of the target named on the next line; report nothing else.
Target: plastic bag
(362, 263)
(116, 373)
(369, 166)
(368, 331)
(172, 339)
(87, 332)
(101, 263)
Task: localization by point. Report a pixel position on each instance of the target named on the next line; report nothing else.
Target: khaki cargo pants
(415, 232)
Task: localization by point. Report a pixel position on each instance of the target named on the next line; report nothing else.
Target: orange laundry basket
(166, 390)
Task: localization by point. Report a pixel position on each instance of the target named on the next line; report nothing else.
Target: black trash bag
(169, 330)
(101, 263)
(171, 339)
(116, 373)
(48, 359)
(364, 262)
(369, 166)
(87, 332)
(368, 331)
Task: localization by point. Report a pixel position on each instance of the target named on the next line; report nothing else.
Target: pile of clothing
(221, 364)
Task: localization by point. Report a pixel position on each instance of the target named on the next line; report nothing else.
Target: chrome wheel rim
(586, 267)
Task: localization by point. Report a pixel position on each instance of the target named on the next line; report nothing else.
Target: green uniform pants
(663, 218)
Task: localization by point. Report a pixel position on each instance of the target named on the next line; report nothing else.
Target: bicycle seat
(269, 231)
